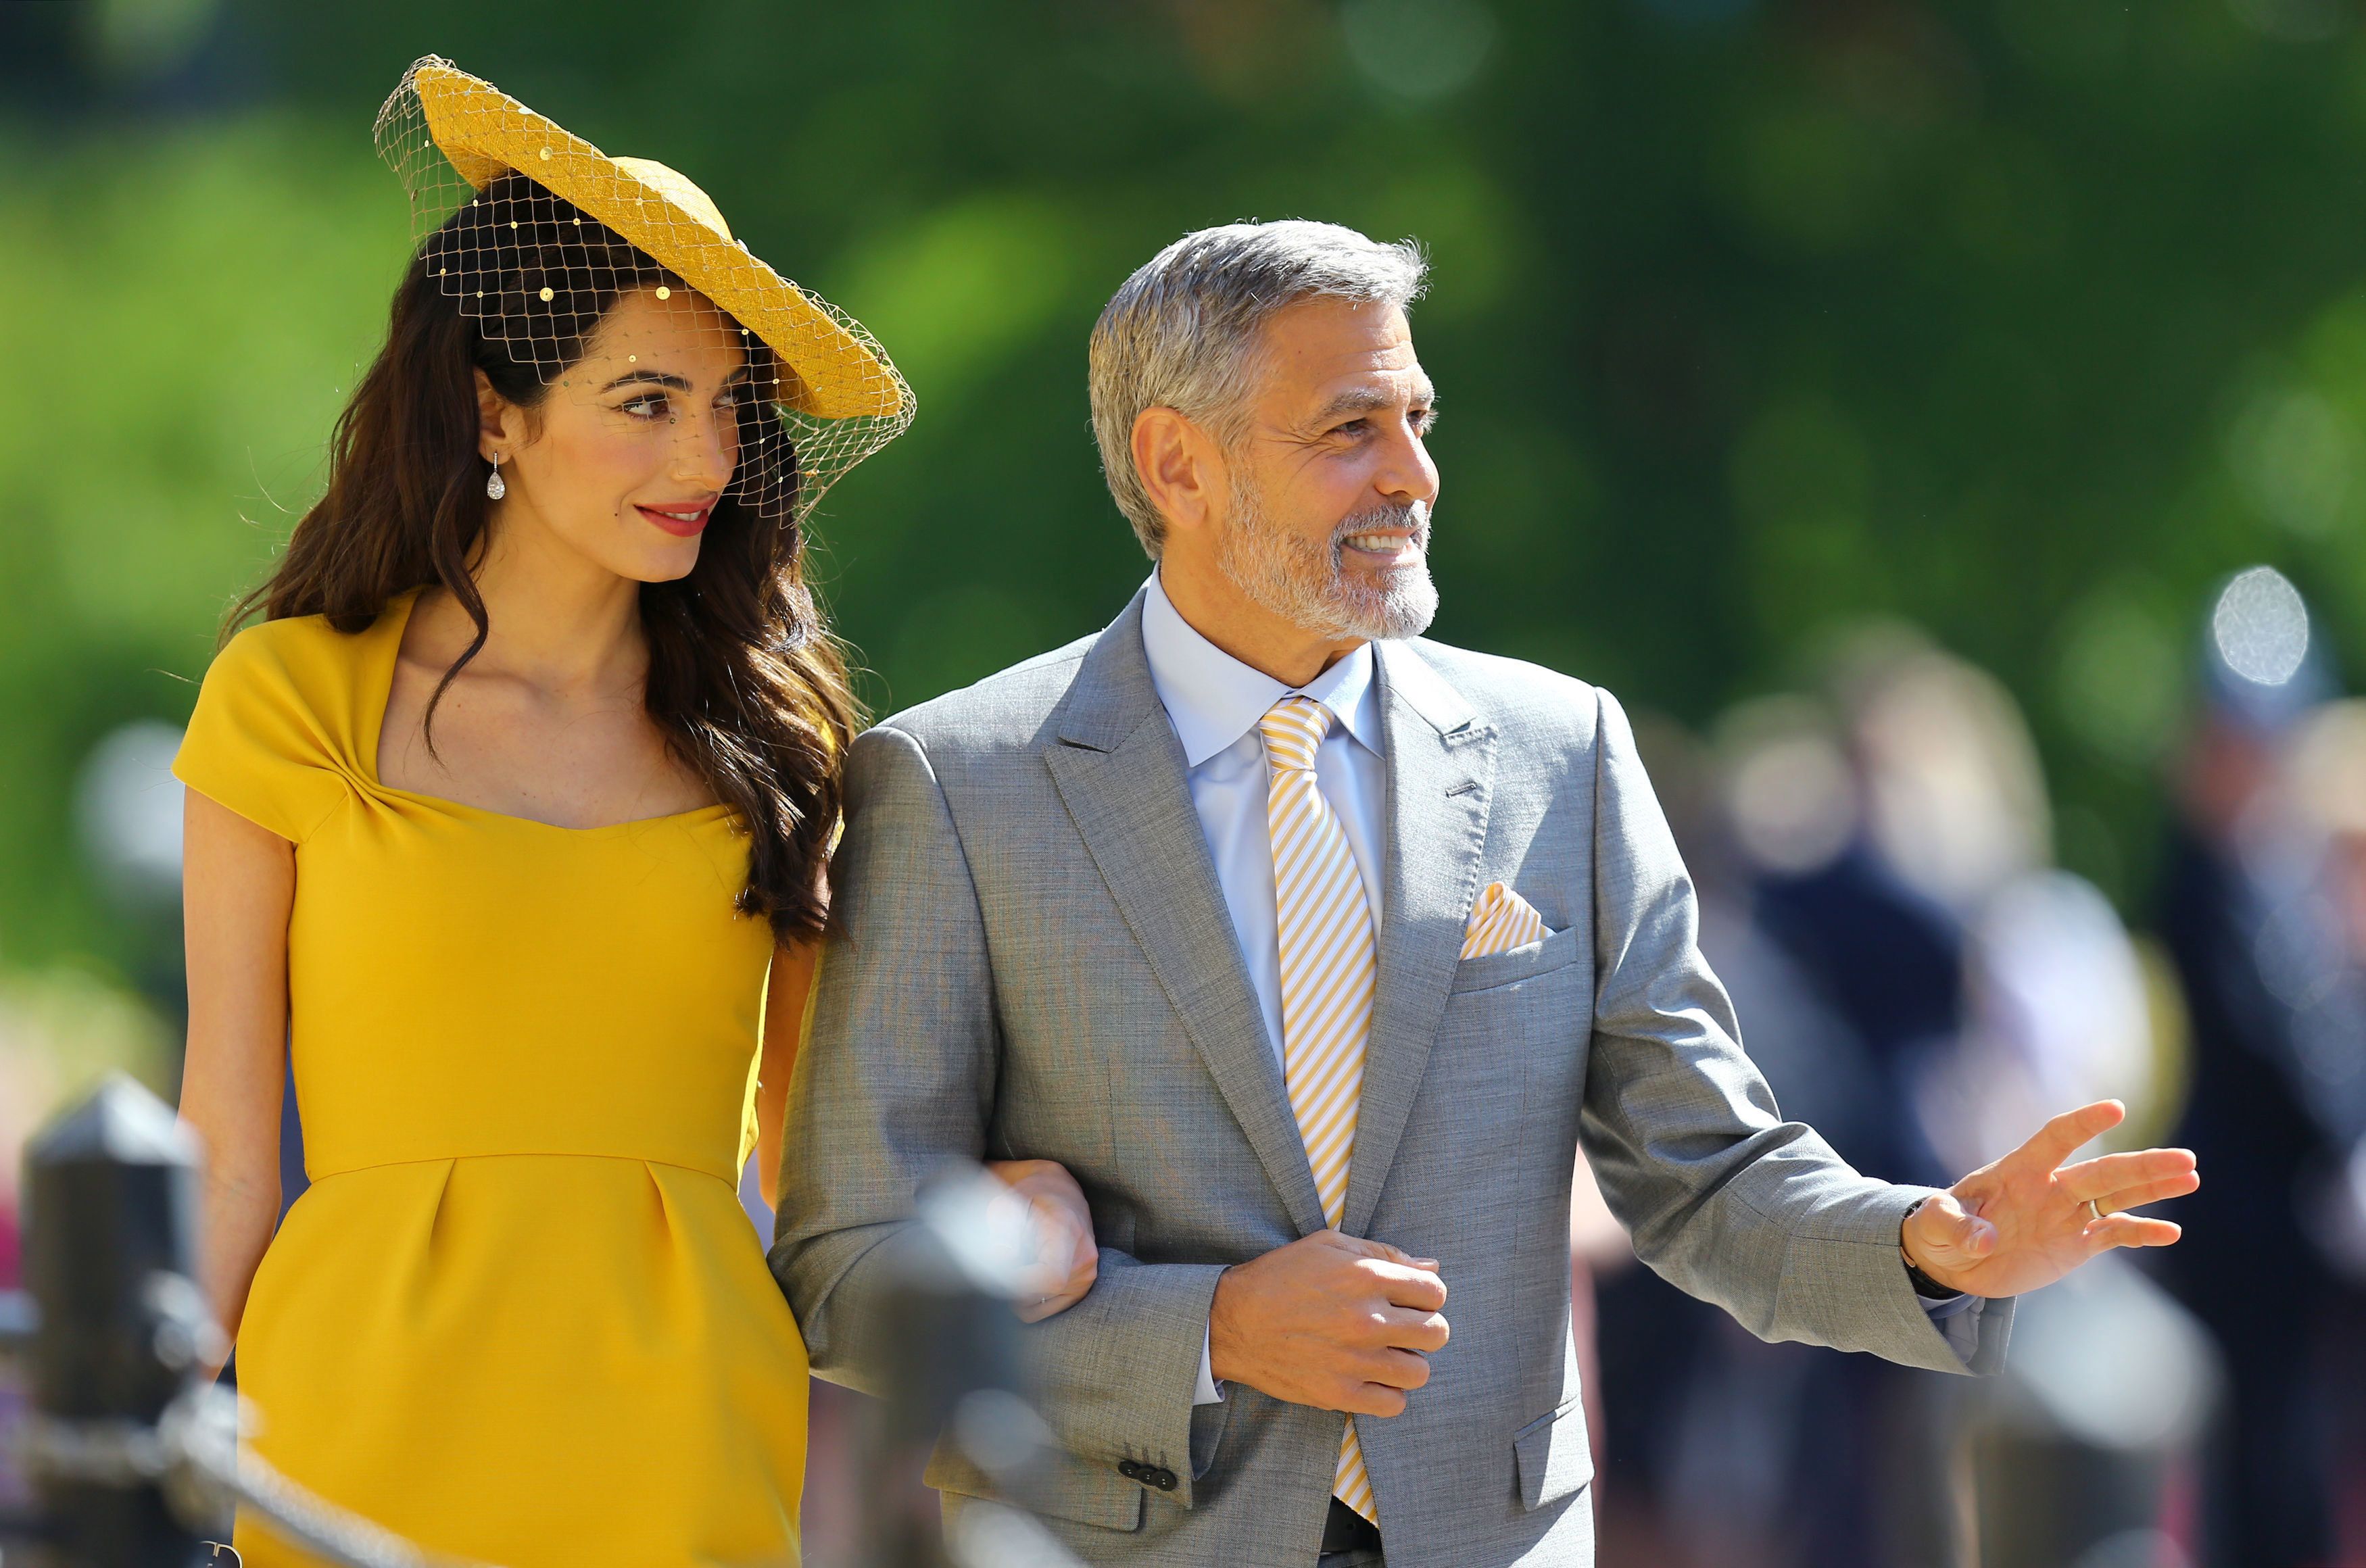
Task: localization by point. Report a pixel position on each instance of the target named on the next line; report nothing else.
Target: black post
(959, 1377)
(110, 1258)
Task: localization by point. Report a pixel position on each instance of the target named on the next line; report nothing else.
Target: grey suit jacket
(1035, 961)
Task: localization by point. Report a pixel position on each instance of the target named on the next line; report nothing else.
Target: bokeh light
(2260, 626)
(130, 811)
(1418, 50)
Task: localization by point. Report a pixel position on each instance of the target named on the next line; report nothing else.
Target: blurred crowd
(1924, 984)
(1920, 981)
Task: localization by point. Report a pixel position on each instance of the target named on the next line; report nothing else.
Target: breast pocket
(1531, 962)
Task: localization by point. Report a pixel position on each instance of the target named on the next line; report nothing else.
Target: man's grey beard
(1308, 586)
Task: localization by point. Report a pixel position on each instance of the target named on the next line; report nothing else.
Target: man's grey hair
(1185, 331)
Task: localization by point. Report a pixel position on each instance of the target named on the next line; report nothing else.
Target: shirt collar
(1215, 699)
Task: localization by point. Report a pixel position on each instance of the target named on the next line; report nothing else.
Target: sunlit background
(1941, 422)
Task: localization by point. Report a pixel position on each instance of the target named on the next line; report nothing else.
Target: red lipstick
(683, 521)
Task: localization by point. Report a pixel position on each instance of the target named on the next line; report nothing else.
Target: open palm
(2024, 1222)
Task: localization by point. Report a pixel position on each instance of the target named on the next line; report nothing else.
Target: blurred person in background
(1910, 978)
(507, 826)
(2327, 775)
(2076, 1459)
(2260, 907)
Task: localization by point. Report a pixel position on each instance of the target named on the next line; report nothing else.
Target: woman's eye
(650, 408)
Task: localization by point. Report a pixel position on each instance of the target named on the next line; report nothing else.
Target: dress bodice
(594, 990)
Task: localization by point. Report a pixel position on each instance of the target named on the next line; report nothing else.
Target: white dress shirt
(1214, 702)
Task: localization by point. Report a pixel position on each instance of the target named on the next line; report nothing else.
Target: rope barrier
(192, 1455)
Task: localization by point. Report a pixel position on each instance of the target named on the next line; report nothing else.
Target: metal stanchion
(135, 1455)
(110, 1200)
(960, 1380)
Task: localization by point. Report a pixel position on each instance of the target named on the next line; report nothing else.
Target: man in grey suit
(1315, 950)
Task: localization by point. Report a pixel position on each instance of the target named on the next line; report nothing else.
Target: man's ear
(1180, 465)
(501, 424)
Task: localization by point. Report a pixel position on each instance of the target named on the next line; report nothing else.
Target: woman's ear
(501, 424)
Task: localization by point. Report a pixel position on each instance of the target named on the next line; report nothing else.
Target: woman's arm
(785, 994)
(238, 888)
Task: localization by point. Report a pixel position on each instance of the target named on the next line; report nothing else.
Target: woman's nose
(706, 449)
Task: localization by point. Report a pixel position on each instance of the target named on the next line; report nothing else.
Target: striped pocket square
(1501, 920)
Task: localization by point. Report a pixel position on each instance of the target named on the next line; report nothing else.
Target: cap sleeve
(258, 742)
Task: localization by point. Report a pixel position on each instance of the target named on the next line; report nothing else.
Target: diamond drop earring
(494, 489)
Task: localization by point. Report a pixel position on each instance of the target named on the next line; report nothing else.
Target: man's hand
(2011, 1228)
(1330, 1320)
(1071, 1260)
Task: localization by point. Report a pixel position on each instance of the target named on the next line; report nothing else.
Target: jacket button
(1162, 1479)
(1130, 1470)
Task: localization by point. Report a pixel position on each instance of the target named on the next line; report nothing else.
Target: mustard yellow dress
(520, 1316)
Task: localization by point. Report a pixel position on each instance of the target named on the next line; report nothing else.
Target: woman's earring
(494, 489)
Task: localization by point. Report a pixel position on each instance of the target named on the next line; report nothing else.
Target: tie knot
(1293, 730)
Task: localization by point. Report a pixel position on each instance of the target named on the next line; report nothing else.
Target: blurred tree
(2023, 320)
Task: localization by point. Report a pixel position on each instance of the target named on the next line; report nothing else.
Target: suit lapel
(1441, 760)
(1120, 771)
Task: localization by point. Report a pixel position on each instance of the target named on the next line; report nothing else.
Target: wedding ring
(2092, 1209)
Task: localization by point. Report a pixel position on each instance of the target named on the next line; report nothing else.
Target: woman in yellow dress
(507, 825)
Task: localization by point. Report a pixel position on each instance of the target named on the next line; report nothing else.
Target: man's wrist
(1215, 1315)
(1924, 1285)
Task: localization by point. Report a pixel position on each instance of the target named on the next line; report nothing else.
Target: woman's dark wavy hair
(748, 685)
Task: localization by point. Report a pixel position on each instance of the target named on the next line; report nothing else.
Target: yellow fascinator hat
(450, 135)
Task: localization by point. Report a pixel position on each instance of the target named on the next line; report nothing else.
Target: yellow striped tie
(1329, 964)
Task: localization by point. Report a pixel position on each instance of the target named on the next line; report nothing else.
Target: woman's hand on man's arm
(1071, 1256)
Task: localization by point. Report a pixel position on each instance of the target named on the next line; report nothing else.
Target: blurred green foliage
(2023, 320)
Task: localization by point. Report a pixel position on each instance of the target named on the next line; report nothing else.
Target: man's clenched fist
(1330, 1320)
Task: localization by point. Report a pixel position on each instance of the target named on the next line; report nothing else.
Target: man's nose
(1408, 471)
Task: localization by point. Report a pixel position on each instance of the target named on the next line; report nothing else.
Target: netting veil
(617, 282)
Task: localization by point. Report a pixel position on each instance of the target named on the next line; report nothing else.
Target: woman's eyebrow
(650, 378)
